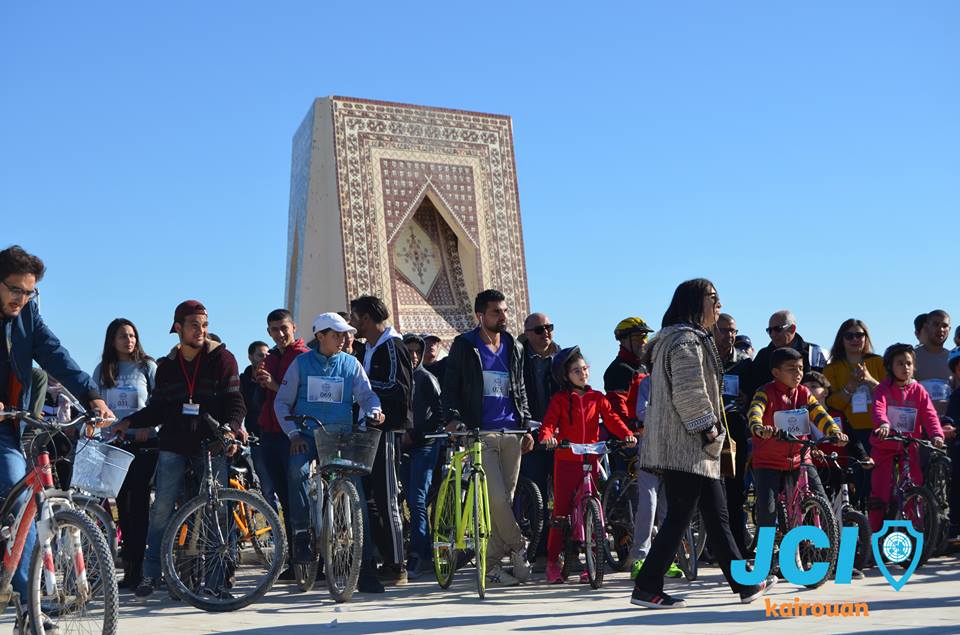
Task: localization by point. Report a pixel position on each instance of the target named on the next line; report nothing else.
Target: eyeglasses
(580, 370)
(543, 328)
(19, 293)
(850, 336)
(728, 330)
(778, 329)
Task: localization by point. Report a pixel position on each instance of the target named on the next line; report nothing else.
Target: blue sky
(799, 156)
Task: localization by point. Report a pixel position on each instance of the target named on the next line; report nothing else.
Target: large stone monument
(415, 205)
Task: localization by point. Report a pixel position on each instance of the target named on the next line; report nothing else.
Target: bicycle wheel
(699, 533)
(207, 565)
(306, 574)
(445, 553)
(101, 518)
(687, 554)
(528, 511)
(937, 480)
(864, 554)
(343, 540)
(817, 513)
(479, 527)
(594, 542)
(80, 593)
(620, 500)
(920, 508)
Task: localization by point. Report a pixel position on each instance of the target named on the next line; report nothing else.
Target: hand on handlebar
(630, 441)
(883, 431)
(549, 444)
(453, 426)
(99, 405)
(937, 442)
(762, 432)
(841, 439)
(376, 418)
(298, 445)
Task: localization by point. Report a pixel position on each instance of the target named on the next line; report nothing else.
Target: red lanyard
(196, 370)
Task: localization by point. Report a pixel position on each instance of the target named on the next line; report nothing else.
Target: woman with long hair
(125, 377)
(683, 439)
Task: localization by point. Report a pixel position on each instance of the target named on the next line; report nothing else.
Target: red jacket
(576, 418)
(276, 364)
(774, 454)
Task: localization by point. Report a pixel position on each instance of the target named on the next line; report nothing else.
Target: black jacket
(550, 385)
(462, 394)
(391, 377)
(427, 409)
(760, 375)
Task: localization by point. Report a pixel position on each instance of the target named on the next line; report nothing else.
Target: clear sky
(801, 155)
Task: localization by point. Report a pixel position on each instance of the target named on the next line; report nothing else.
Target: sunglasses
(543, 328)
(778, 329)
(854, 336)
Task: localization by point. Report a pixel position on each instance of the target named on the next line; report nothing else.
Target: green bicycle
(461, 513)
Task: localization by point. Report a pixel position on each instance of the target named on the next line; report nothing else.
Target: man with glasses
(624, 373)
(538, 352)
(782, 329)
(24, 337)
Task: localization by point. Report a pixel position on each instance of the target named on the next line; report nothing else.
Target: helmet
(560, 361)
(629, 326)
(953, 358)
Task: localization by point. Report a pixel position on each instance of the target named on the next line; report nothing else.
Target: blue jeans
(168, 483)
(258, 457)
(13, 467)
(298, 471)
(416, 474)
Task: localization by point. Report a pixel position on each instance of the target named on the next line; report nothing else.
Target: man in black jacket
(782, 329)
(483, 387)
(388, 366)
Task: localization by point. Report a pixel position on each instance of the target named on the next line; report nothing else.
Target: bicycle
(72, 581)
(621, 496)
(804, 507)
(461, 513)
(844, 509)
(913, 502)
(336, 515)
(528, 509)
(585, 524)
(937, 478)
(692, 544)
(204, 551)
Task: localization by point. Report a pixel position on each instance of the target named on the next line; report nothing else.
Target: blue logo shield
(898, 549)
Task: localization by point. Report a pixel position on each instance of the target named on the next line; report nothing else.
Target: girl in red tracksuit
(901, 406)
(573, 415)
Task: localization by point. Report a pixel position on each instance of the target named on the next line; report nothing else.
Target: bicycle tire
(699, 533)
(445, 552)
(594, 543)
(306, 574)
(343, 540)
(620, 500)
(937, 479)
(102, 519)
(686, 554)
(98, 567)
(927, 517)
(480, 532)
(864, 554)
(818, 513)
(528, 510)
(176, 558)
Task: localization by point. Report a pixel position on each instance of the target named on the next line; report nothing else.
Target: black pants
(736, 490)
(537, 466)
(386, 524)
(133, 506)
(685, 492)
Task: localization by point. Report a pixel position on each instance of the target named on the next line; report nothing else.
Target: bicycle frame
(464, 464)
(586, 490)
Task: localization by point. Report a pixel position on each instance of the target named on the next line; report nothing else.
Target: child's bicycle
(336, 515)
(802, 506)
(461, 513)
(838, 487)
(72, 581)
(585, 524)
(913, 502)
(208, 560)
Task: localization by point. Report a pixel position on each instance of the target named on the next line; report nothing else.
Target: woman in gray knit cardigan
(683, 437)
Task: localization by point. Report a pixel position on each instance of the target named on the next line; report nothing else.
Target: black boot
(132, 574)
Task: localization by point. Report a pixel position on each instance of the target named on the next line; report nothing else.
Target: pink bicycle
(583, 528)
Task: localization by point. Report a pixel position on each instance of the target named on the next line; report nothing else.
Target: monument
(416, 205)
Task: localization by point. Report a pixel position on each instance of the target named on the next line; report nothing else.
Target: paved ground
(929, 604)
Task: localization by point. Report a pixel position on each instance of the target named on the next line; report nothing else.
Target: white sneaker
(521, 568)
(498, 577)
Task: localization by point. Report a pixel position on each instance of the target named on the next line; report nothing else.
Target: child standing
(784, 404)
(901, 406)
(574, 415)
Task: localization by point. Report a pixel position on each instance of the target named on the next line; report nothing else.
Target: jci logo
(892, 541)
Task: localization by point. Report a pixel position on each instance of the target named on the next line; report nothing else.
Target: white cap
(331, 321)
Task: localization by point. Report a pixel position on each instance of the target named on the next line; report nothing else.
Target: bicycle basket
(350, 452)
(99, 468)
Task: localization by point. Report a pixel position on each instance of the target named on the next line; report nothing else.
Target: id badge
(731, 385)
(902, 420)
(795, 422)
(191, 409)
(324, 389)
(860, 402)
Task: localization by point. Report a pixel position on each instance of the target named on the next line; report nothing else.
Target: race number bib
(860, 402)
(123, 399)
(496, 384)
(902, 420)
(324, 389)
(939, 389)
(731, 385)
(796, 422)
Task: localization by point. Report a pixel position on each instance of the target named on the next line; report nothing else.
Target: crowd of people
(680, 393)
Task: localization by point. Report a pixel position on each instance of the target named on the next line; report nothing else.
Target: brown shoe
(392, 575)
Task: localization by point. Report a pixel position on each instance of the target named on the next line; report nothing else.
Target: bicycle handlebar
(907, 441)
(55, 426)
(789, 438)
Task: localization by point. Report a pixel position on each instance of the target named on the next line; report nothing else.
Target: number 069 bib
(324, 389)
